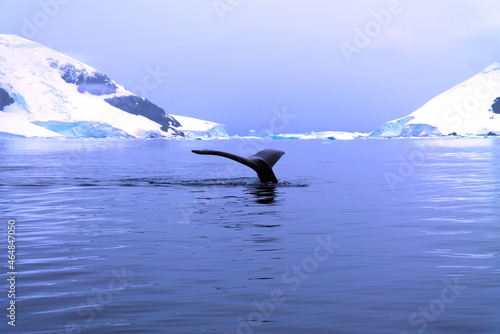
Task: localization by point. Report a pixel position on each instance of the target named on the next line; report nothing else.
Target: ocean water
(142, 236)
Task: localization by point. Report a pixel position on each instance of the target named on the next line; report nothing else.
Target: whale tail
(261, 162)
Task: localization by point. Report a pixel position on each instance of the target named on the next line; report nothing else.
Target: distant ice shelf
(325, 135)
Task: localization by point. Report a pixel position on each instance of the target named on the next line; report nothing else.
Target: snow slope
(11, 125)
(199, 128)
(470, 108)
(45, 93)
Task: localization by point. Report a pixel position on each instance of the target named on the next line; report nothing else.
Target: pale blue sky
(235, 61)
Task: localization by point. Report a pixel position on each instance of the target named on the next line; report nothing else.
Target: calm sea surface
(142, 236)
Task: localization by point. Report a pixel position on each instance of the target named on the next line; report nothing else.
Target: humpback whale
(262, 162)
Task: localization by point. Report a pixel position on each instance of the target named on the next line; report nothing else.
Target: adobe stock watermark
(152, 80)
(222, 7)
(280, 119)
(292, 278)
(11, 272)
(407, 166)
(41, 18)
(429, 313)
(278, 122)
(189, 208)
(460, 112)
(93, 305)
(372, 29)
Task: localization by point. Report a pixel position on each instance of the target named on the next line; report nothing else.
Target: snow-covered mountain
(44, 93)
(470, 108)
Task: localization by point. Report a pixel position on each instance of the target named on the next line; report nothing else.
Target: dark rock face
(496, 106)
(5, 99)
(140, 106)
(95, 83)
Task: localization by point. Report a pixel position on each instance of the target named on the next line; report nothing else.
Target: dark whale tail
(262, 162)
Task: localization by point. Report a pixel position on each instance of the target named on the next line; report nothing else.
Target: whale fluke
(262, 162)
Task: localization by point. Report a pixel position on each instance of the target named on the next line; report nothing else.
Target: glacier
(44, 93)
(83, 129)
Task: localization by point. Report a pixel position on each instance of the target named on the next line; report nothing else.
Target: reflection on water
(264, 193)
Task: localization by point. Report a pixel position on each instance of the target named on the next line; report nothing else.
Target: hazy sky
(331, 65)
